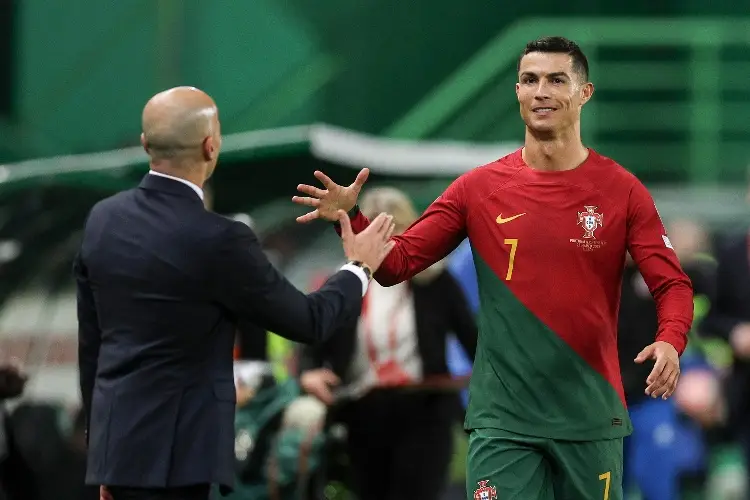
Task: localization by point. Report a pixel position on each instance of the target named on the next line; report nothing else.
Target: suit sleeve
(652, 251)
(89, 335)
(249, 286)
(429, 239)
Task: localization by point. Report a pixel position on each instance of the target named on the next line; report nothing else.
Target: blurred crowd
(377, 411)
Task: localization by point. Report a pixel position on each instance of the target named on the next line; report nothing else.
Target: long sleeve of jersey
(651, 250)
(429, 239)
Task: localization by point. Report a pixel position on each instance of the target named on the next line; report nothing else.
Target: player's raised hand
(371, 245)
(327, 202)
(662, 381)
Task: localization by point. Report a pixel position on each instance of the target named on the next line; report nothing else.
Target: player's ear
(518, 87)
(587, 90)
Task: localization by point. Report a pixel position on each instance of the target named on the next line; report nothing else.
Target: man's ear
(208, 148)
(587, 91)
(144, 143)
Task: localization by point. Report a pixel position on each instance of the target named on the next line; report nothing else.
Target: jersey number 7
(513, 242)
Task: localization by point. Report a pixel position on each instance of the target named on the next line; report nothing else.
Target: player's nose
(541, 93)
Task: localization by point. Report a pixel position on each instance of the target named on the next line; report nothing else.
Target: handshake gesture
(332, 204)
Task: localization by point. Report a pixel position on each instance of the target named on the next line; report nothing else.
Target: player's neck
(554, 153)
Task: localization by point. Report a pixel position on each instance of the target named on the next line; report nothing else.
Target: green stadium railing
(671, 98)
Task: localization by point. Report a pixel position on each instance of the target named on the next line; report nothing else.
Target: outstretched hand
(662, 381)
(370, 246)
(327, 202)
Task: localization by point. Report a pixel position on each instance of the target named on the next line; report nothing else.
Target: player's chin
(541, 126)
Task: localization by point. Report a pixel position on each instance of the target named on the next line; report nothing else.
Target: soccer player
(549, 226)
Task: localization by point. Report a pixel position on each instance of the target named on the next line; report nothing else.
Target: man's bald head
(177, 123)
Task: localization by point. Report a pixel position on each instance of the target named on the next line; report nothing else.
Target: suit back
(163, 399)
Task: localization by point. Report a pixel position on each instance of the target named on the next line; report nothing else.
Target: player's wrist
(352, 213)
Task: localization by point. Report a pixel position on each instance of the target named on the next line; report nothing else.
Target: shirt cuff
(360, 274)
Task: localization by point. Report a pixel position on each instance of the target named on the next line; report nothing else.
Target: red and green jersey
(549, 250)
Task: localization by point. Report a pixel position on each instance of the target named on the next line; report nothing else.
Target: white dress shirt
(192, 186)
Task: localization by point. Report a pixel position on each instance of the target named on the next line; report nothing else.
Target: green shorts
(502, 465)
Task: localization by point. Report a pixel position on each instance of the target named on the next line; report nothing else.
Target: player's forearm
(674, 305)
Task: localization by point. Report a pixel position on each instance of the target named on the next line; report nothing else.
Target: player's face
(550, 93)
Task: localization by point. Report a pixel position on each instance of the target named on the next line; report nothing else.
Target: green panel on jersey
(528, 380)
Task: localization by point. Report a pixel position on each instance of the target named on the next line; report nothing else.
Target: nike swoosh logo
(500, 219)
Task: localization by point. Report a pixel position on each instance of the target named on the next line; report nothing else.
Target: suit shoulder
(223, 227)
(110, 203)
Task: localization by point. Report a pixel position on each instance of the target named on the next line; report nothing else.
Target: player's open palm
(327, 202)
(371, 245)
(662, 381)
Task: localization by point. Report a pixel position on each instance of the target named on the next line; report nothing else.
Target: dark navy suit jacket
(162, 284)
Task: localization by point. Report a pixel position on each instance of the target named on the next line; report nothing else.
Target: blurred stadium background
(419, 91)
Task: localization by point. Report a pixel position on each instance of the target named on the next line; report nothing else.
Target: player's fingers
(361, 178)
(657, 370)
(327, 182)
(306, 201)
(311, 190)
(308, 217)
(660, 383)
(644, 354)
(671, 384)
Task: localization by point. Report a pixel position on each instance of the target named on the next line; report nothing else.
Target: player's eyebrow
(556, 74)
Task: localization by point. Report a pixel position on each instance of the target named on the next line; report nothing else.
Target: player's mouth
(542, 110)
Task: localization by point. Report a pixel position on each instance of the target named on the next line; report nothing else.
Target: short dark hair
(559, 45)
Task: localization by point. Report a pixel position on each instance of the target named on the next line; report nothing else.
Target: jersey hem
(615, 432)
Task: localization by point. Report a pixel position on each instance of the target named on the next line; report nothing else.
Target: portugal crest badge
(485, 492)
(590, 221)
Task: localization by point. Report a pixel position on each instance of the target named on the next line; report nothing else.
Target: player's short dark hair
(559, 45)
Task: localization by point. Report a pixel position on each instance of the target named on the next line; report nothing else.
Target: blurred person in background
(667, 450)
(729, 319)
(400, 437)
(16, 477)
